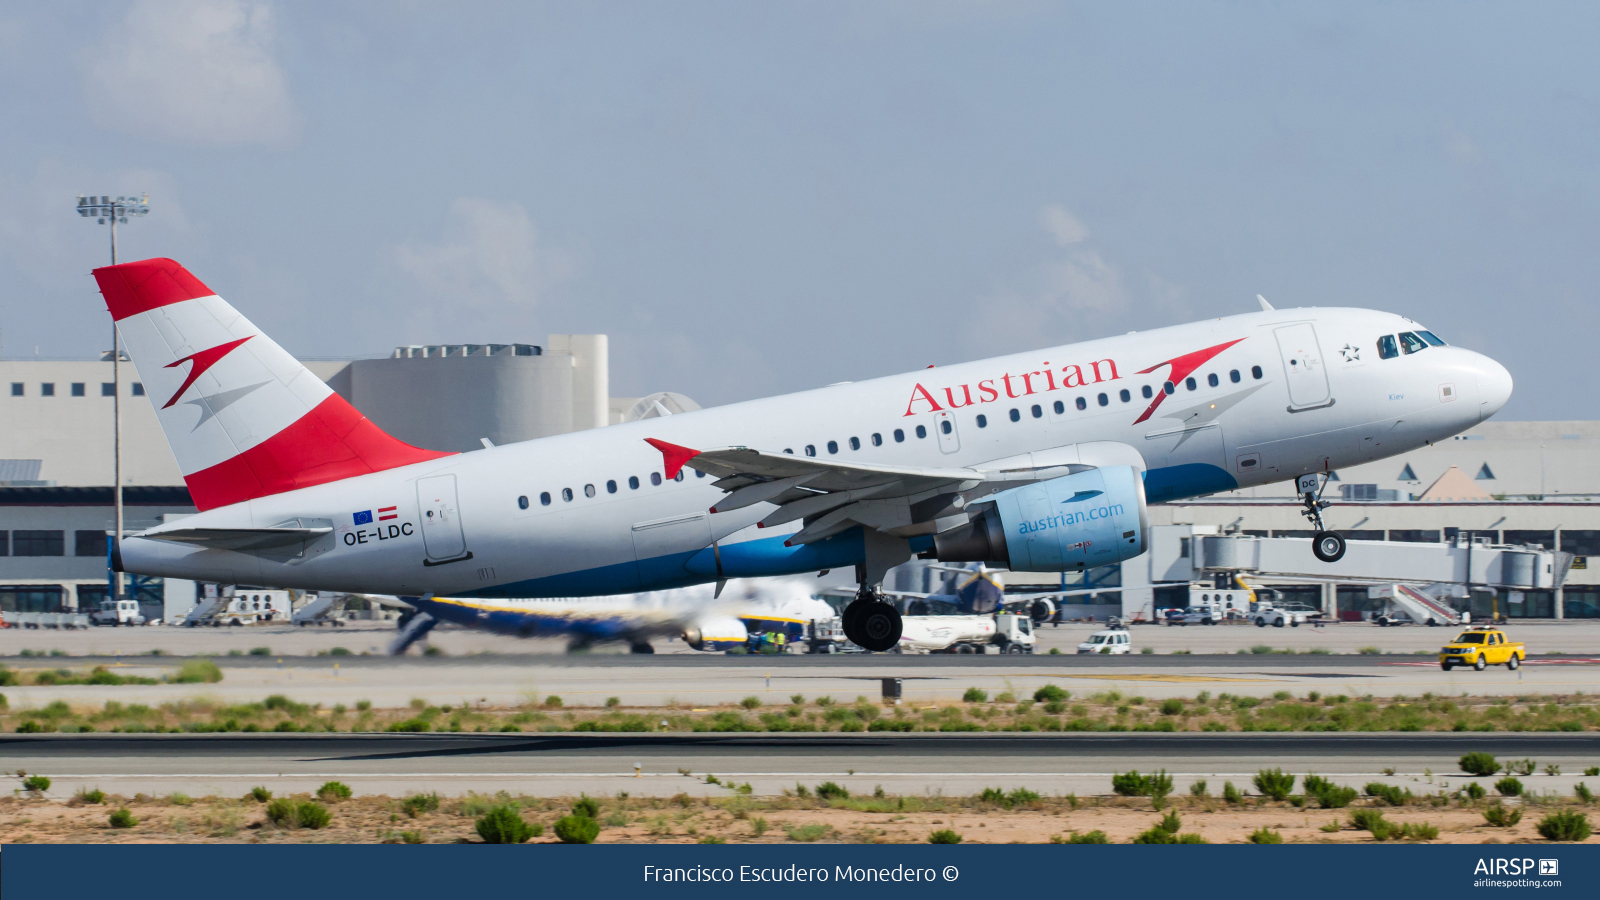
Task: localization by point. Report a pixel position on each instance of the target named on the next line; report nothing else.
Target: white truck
(1114, 641)
(1007, 633)
(1280, 614)
(117, 612)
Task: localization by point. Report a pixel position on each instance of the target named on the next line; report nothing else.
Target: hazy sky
(752, 198)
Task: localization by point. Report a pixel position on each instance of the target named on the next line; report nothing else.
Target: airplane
(1042, 460)
(769, 606)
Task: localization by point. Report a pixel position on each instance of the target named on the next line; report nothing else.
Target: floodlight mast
(108, 210)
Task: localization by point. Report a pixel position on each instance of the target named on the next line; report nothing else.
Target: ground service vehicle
(1113, 641)
(117, 612)
(1278, 616)
(1481, 648)
(1195, 615)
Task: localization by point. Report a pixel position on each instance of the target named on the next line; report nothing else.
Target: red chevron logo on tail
(202, 360)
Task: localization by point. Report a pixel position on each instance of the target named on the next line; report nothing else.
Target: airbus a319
(1044, 460)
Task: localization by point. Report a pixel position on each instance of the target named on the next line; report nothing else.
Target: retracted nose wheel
(1328, 546)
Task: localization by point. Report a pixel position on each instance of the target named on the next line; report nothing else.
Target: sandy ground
(1542, 636)
(689, 820)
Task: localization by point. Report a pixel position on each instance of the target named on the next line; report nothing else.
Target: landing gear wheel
(878, 627)
(641, 647)
(848, 619)
(1328, 546)
(1513, 663)
(1446, 666)
(1480, 664)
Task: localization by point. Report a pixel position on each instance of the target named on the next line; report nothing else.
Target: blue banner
(1234, 872)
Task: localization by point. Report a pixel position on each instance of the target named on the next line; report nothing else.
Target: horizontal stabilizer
(240, 540)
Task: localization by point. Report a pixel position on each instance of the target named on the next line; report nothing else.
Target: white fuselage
(490, 533)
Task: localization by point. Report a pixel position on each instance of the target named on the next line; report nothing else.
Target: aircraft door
(1302, 367)
(949, 439)
(441, 519)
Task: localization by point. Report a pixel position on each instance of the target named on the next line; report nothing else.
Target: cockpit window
(1431, 338)
(1387, 348)
(1410, 343)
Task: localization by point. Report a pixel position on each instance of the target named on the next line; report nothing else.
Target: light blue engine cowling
(1093, 518)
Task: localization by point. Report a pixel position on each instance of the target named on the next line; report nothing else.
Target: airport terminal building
(1522, 483)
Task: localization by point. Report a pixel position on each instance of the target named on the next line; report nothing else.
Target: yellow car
(1481, 648)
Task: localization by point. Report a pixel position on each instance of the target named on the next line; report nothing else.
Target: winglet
(1265, 306)
(672, 455)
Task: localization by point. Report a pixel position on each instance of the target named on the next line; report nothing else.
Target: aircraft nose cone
(1494, 388)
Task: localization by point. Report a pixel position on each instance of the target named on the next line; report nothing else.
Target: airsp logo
(1515, 867)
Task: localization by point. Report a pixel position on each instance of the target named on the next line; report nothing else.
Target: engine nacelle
(714, 632)
(1066, 524)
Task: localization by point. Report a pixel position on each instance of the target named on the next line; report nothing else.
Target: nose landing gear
(1328, 546)
(872, 623)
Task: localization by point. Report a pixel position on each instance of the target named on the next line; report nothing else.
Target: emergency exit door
(441, 519)
(1302, 367)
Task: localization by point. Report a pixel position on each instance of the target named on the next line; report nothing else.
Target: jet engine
(716, 633)
(1066, 524)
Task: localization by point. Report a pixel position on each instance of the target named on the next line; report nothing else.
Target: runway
(668, 764)
(707, 680)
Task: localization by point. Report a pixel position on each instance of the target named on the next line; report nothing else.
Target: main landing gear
(872, 623)
(1328, 546)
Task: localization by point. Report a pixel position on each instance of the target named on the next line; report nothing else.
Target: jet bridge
(1183, 555)
(1414, 577)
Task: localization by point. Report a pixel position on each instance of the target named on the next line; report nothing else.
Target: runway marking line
(809, 774)
(1180, 679)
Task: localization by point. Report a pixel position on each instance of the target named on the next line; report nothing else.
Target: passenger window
(1016, 415)
(1081, 403)
(611, 487)
(1431, 338)
(544, 498)
(983, 420)
(588, 490)
(522, 502)
(789, 450)
(1103, 399)
(946, 427)
(566, 494)
(1410, 343)
(1387, 349)
(1147, 392)
(1255, 372)
(833, 446)
(1234, 376)
(633, 482)
(922, 432)
(1059, 407)
(1169, 388)
(877, 439)
(811, 449)
(899, 436)
(1125, 395)
(1038, 411)
(855, 443)
(1189, 383)
(699, 474)
(1212, 379)
(679, 476)
(655, 479)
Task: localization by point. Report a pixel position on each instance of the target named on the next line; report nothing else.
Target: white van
(1113, 642)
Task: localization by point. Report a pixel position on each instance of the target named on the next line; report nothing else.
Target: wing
(832, 496)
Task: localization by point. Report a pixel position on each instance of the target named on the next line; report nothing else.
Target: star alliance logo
(1350, 354)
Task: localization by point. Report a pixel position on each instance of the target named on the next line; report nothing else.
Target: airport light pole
(107, 210)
